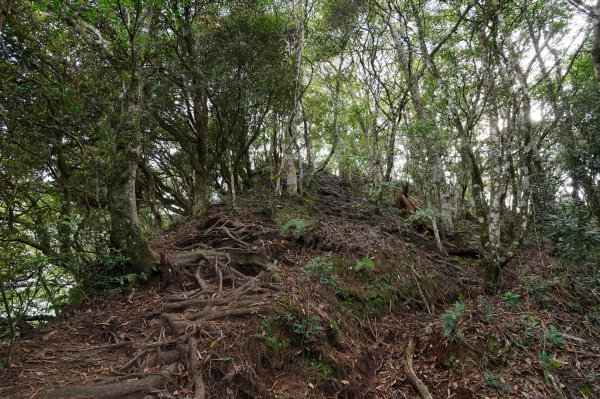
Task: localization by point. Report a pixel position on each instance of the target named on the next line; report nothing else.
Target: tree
(119, 36)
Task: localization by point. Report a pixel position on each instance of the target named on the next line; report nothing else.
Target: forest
(299, 198)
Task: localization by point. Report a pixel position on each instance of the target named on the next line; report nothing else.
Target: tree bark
(299, 15)
(125, 233)
(200, 172)
(595, 50)
(439, 188)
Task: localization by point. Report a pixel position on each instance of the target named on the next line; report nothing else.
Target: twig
(556, 386)
(416, 277)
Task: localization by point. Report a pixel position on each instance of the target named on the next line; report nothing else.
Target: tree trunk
(595, 50)
(439, 188)
(125, 233)
(335, 102)
(64, 224)
(298, 47)
(307, 140)
(290, 164)
(200, 172)
(490, 241)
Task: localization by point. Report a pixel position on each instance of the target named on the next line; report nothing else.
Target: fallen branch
(417, 384)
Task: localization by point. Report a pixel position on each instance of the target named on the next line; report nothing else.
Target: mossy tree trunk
(125, 232)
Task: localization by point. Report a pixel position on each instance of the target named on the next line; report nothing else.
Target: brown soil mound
(317, 298)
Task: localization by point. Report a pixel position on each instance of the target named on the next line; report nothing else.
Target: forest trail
(314, 298)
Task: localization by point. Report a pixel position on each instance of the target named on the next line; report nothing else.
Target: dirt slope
(318, 298)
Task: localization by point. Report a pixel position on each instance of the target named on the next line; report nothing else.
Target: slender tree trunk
(439, 188)
(391, 151)
(232, 184)
(595, 50)
(335, 103)
(371, 137)
(528, 149)
(491, 241)
(298, 47)
(289, 162)
(307, 140)
(276, 168)
(64, 225)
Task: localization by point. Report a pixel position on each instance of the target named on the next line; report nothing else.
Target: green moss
(406, 289)
(451, 361)
(494, 348)
(341, 266)
(284, 300)
(321, 370)
(363, 292)
(294, 211)
(276, 347)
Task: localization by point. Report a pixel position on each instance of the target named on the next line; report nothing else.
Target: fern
(297, 224)
(366, 263)
(449, 325)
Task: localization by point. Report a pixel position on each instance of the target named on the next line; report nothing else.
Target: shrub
(512, 300)
(576, 238)
(321, 268)
(449, 321)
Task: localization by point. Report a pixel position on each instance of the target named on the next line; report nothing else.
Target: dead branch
(417, 277)
(217, 314)
(220, 275)
(193, 257)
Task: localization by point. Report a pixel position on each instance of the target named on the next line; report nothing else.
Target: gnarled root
(417, 384)
(108, 391)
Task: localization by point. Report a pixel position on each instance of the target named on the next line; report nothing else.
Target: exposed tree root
(417, 384)
(230, 285)
(200, 280)
(199, 388)
(116, 390)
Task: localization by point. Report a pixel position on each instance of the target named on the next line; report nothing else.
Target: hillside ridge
(325, 296)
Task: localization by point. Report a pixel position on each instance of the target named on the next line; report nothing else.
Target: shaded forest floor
(277, 298)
